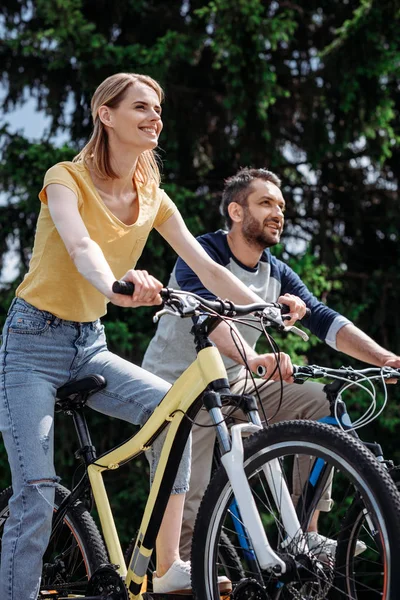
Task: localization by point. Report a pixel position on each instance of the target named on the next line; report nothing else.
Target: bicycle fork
(232, 454)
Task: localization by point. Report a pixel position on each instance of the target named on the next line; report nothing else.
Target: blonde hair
(110, 93)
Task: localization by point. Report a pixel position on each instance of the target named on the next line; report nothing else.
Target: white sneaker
(319, 544)
(177, 580)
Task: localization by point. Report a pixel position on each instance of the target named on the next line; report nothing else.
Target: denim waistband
(24, 306)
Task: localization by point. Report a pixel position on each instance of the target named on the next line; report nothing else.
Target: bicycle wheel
(310, 574)
(355, 528)
(75, 549)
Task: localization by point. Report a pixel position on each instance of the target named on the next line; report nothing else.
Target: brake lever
(297, 331)
(274, 315)
(165, 311)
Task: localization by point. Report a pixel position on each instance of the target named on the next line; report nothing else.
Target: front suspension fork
(231, 446)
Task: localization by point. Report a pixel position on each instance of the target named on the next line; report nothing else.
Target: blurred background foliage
(307, 89)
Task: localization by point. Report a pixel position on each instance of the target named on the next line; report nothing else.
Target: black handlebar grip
(123, 287)
(261, 370)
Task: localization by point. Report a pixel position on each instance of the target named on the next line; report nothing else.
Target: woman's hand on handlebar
(297, 308)
(146, 292)
(267, 363)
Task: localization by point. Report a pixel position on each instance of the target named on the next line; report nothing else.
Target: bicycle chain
(61, 587)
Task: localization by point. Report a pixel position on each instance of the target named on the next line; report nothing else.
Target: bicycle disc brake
(315, 578)
(106, 583)
(249, 589)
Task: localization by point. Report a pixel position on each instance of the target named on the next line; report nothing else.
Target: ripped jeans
(40, 353)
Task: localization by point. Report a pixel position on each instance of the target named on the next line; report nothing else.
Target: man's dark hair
(238, 188)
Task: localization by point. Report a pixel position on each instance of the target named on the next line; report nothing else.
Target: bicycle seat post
(86, 451)
(71, 399)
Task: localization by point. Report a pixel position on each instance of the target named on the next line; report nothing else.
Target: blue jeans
(40, 353)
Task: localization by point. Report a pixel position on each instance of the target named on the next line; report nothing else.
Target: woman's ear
(105, 115)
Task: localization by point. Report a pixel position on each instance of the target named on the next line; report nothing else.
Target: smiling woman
(95, 217)
(123, 106)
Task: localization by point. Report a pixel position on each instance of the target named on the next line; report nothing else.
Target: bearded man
(254, 207)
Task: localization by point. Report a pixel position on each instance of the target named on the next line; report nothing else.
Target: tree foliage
(308, 89)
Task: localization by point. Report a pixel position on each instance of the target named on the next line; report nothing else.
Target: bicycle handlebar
(221, 307)
(316, 372)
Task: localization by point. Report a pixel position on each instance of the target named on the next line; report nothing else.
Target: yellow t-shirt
(53, 283)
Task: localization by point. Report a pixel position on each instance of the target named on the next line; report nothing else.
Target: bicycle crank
(106, 584)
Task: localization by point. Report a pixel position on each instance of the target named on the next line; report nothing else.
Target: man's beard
(255, 234)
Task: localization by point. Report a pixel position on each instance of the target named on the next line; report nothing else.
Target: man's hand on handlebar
(394, 362)
(264, 365)
(146, 290)
(297, 308)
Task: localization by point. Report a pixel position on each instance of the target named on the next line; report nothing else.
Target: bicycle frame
(185, 396)
(181, 398)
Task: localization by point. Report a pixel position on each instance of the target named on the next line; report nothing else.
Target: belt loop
(11, 305)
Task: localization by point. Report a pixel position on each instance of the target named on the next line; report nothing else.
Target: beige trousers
(306, 401)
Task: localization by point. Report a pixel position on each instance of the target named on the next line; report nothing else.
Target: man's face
(263, 217)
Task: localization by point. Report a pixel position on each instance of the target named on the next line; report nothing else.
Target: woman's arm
(213, 276)
(88, 256)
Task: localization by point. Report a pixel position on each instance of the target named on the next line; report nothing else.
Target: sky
(28, 120)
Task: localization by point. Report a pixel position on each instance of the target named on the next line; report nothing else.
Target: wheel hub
(54, 571)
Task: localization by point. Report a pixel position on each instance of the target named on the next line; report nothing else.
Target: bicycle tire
(354, 529)
(230, 560)
(75, 550)
(355, 466)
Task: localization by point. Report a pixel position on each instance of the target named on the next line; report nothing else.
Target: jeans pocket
(32, 323)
